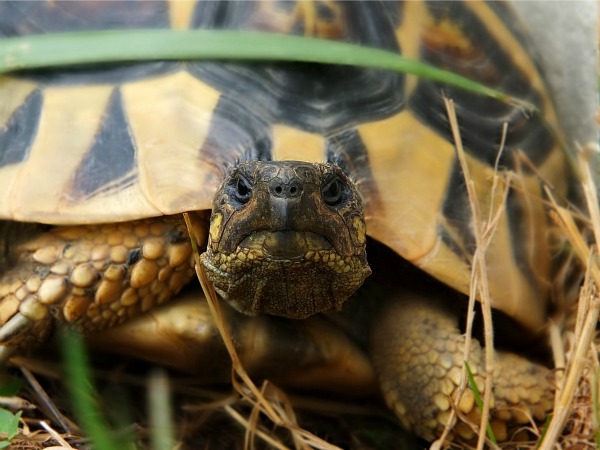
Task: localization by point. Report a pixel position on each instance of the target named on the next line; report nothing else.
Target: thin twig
(479, 280)
(261, 434)
(48, 405)
(57, 437)
(589, 304)
(247, 389)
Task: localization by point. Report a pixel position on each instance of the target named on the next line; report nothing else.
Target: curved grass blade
(82, 393)
(92, 47)
(479, 401)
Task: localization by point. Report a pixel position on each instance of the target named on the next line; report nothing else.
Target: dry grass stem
(55, 435)
(555, 332)
(16, 403)
(246, 424)
(581, 366)
(46, 404)
(588, 307)
(241, 381)
(479, 287)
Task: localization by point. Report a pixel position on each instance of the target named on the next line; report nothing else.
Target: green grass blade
(479, 401)
(544, 431)
(60, 49)
(82, 394)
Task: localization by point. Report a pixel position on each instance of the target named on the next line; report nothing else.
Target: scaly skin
(93, 276)
(271, 221)
(81, 275)
(417, 350)
(287, 238)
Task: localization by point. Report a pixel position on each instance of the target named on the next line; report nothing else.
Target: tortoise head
(286, 238)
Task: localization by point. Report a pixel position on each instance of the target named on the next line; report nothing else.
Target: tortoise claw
(17, 325)
(91, 277)
(16, 329)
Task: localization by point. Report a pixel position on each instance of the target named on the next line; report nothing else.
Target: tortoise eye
(332, 192)
(242, 190)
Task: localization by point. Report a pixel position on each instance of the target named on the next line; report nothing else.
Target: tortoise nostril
(289, 190)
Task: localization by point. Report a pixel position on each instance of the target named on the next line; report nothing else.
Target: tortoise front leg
(91, 276)
(417, 350)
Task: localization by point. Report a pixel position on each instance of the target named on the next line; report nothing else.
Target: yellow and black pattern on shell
(121, 142)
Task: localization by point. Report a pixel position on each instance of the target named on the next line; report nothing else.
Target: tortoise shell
(120, 142)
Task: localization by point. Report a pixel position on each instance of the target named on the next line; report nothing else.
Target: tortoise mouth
(286, 273)
(285, 245)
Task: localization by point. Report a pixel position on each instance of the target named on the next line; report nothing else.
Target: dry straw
(572, 423)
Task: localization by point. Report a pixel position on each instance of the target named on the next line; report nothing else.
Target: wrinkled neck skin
(286, 238)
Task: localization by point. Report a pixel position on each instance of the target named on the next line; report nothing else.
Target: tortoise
(305, 168)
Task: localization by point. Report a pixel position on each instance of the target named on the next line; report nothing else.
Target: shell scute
(172, 127)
